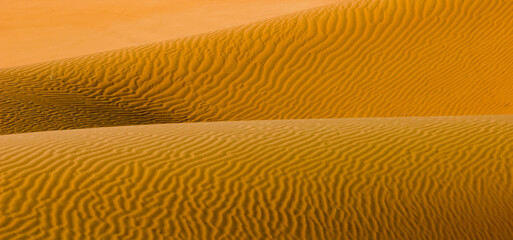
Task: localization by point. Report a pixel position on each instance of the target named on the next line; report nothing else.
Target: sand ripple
(354, 59)
(379, 178)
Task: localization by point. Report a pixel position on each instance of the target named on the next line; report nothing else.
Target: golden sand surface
(33, 31)
(363, 119)
(354, 59)
(360, 178)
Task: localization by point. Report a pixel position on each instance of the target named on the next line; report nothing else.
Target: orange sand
(366, 59)
(35, 31)
(365, 174)
(380, 178)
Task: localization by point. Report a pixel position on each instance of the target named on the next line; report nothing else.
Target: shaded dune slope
(375, 178)
(354, 59)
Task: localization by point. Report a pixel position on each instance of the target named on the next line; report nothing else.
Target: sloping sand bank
(354, 59)
(34, 31)
(377, 178)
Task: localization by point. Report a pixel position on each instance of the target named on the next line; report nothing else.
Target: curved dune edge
(382, 178)
(34, 31)
(354, 59)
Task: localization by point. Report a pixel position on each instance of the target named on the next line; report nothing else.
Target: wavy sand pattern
(353, 59)
(379, 178)
(394, 162)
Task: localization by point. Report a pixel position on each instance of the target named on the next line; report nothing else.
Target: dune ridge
(33, 31)
(353, 59)
(367, 156)
(375, 178)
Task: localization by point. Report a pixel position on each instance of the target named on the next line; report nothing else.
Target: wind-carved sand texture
(337, 122)
(365, 59)
(376, 178)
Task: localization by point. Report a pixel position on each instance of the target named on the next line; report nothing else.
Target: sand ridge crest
(357, 59)
(375, 178)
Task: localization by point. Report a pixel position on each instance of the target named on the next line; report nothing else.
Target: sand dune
(34, 31)
(354, 59)
(380, 178)
(386, 166)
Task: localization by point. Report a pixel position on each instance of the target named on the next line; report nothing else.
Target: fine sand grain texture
(353, 59)
(375, 178)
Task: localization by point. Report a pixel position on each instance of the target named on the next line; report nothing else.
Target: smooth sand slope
(34, 31)
(381, 178)
(355, 59)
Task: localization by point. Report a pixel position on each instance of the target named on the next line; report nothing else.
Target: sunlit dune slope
(354, 59)
(374, 178)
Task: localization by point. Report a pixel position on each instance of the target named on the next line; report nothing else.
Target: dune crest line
(382, 178)
(354, 59)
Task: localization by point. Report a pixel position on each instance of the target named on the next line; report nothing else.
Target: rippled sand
(376, 178)
(369, 119)
(365, 59)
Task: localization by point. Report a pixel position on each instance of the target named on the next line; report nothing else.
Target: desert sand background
(37, 31)
(369, 119)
